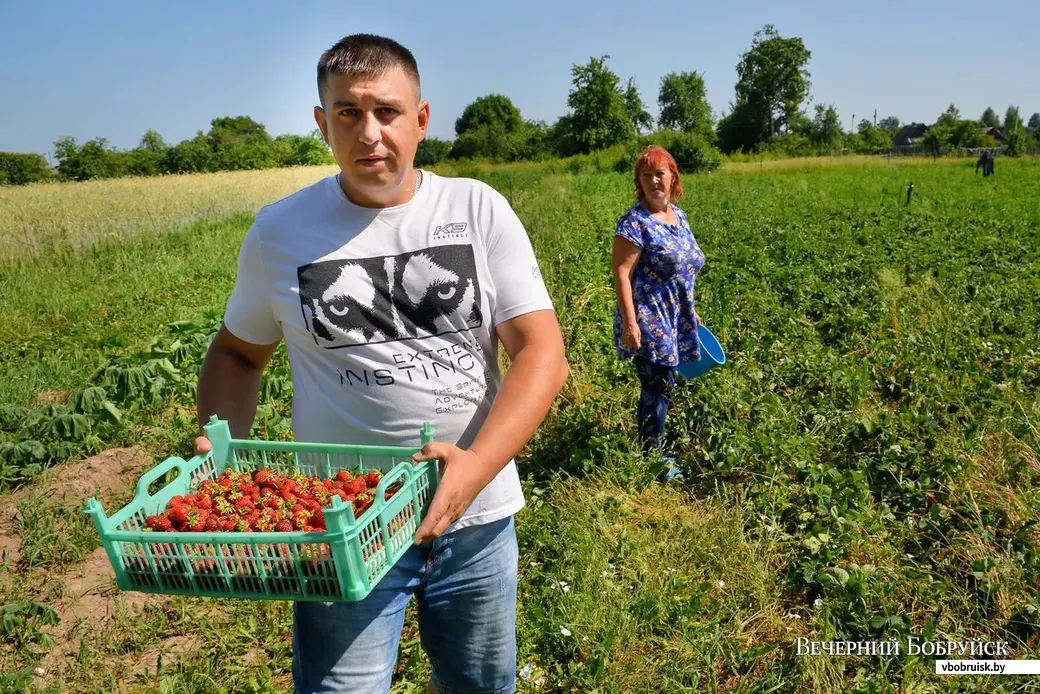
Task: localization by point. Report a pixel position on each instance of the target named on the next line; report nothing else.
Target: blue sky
(116, 68)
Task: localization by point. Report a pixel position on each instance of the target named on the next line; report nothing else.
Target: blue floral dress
(662, 287)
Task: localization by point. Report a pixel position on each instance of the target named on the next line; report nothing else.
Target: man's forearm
(229, 388)
(533, 381)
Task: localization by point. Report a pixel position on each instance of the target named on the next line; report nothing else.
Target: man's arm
(537, 371)
(229, 383)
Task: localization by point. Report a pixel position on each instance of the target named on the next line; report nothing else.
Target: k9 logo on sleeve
(424, 293)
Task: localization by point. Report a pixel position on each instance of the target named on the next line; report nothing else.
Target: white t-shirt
(388, 314)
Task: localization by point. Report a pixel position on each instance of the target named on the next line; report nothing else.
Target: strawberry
(284, 526)
(212, 524)
(178, 514)
(163, 524)
(152, 522)
(373, 477)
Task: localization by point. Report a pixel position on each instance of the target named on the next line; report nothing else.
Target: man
(391, 287)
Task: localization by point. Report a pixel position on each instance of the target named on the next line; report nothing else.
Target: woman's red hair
(654, 157)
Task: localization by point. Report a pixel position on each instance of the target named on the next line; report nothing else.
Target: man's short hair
(365, 55)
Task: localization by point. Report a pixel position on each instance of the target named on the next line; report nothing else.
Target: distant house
(910, 135)
(992, 132)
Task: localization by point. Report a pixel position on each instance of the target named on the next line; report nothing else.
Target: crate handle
(405, 469)
(161, 469)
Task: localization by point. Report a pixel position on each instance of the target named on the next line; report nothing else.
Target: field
(865, 467)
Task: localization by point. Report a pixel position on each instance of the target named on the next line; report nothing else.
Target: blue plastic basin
(712, 355)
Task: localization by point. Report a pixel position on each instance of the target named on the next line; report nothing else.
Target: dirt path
(90, 600)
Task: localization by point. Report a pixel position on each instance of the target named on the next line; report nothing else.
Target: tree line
(767, 116)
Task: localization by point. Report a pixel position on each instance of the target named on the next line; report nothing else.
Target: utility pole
(875, 118)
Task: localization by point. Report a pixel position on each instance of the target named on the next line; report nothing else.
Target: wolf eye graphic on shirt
(423, 293)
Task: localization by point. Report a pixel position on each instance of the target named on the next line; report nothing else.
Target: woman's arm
(625, 255)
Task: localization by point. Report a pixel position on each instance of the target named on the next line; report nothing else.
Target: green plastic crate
(342, 564)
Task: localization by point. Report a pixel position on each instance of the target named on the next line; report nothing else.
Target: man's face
(374, 126)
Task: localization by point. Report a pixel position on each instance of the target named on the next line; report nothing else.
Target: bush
(17, 168)
(692, 153)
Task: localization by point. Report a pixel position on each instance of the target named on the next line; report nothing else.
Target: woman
(656, 260)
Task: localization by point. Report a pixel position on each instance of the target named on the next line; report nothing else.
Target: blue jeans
(657, 383)
(465, 584)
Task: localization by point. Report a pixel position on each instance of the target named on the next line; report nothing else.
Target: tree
(683, 102)
(772, 80)
(599, 114)
(1014, 132)
(241, 143)
(431, 151)
(989, 118)
(826, 131)
(890, 125)
(152, 141)
(95, 159)
(303, 150)
(493, 109)
(641, 120)
(1034, 121)
(870, 139)
(950, 117)
(18, 168)
(189, 156)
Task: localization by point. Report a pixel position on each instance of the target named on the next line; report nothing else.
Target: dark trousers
(657, 383)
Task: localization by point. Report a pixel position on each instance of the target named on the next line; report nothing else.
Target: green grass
(864, 467)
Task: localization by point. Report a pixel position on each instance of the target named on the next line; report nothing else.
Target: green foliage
(1014, 132)
(870, 139)
(989, 118)
(825, 130)
(599, 114)
(683, 104)
(432, 151)
(304, 150)
(231, 144)
(491, 110)
(94, 159)
(641, 120)
(18, 168)
(772, 80)
(890, 125)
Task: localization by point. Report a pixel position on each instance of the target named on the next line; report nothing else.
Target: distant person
(656, 260)
(986, 162)
(392, 288)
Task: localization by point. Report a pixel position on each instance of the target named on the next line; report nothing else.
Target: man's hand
(462, 477)
(202, 445)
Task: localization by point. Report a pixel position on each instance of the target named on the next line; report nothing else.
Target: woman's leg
(657, 382)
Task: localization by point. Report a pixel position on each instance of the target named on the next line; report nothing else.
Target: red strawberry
(343, 476)
(178, 514)
(284, 526)
(163, 524)
(212, 524)
(152, 522)
(373, 477)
